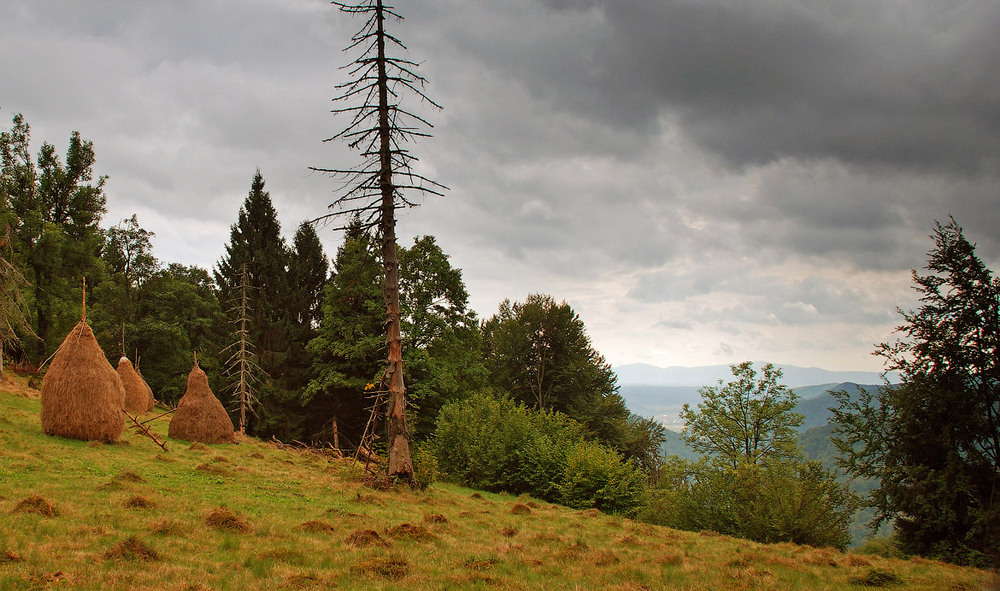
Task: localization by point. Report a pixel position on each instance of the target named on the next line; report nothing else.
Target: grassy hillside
(260, 515)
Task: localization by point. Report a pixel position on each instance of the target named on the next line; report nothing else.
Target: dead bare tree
(242, 363)
(373, 190)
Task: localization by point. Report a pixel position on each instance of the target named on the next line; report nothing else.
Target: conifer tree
(933, 441)
(307, 276)
(379, 128)
(256, 243)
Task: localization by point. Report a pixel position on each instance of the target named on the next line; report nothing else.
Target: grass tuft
(138, 502)
(409, 531)
(386, 567)
(436, 518)
(520, 509)
(877, 577)
(132, 548)
(38, 505)
(364, 538)
(129, 476)
(223, 519)
(314, 526)
(8, 557)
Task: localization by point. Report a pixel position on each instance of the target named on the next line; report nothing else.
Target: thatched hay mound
(200, 416)
(138, 394)
(82, 395)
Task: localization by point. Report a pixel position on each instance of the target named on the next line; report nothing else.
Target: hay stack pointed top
(82, 395)
(138, 394)
(200, 416)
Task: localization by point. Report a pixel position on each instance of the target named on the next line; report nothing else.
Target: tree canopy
(747, 420)
(933, 440)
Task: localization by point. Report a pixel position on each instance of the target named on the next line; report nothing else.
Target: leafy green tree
(540, 353)
(440, 333)
(747, 420)
(933, 441)
(54, 208)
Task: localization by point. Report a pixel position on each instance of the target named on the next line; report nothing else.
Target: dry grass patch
(132, 548)
(138, 502)
(508, 532)
(363, 538)
(480, 564)
(316, 527)
(166, 527)
(129, 476)
(38, 505)
(197, 446)
(8, 557)
(520, 509)
(386, 567)
(223, 519)
(409, 531)
(877, 577)
(435, 518)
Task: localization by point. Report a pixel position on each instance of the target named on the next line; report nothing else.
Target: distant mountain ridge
(643, 374)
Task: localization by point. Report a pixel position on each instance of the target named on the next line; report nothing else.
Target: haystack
(82, 395)
(138, 394)
(199, 415)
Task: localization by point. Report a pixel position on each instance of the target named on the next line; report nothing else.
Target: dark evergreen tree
(54, 210)
(933, 441)
(307, 276)
(256, 243)
(348, 349)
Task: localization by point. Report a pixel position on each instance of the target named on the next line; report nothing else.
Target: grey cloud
(912, 86)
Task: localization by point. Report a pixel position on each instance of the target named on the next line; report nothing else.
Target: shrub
(598, 477)
(498, 445)
(796, 502)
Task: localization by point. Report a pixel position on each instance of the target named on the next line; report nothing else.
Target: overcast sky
(704, 181)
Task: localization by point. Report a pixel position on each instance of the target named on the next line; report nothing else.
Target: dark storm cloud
(906, 84)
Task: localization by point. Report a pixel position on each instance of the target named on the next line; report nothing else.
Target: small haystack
(82, 395)
(200, 416)
(138, 394)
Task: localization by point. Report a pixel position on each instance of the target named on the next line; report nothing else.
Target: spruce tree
(933, 440)
(347, 351)
(256, 242)
(307, 276)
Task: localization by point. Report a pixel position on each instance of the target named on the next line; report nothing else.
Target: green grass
(262, 516)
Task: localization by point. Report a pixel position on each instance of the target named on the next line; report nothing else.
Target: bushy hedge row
(498, 445)
(794, 501)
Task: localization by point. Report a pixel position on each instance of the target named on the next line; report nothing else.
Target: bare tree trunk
(400, 464)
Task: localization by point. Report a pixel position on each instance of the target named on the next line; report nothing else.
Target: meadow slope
(261, 515)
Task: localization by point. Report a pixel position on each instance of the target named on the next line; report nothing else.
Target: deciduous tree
(748, 420)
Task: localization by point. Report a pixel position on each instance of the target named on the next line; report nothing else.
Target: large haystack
(82, 395)
(199, 415)
(138, 394)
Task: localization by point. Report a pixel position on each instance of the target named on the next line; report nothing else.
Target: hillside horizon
(793, 376)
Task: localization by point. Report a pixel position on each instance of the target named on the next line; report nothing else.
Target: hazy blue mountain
(709, 375)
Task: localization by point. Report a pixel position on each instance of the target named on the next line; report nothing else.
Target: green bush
(598, 477)
(496, 444)
(796, 502)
